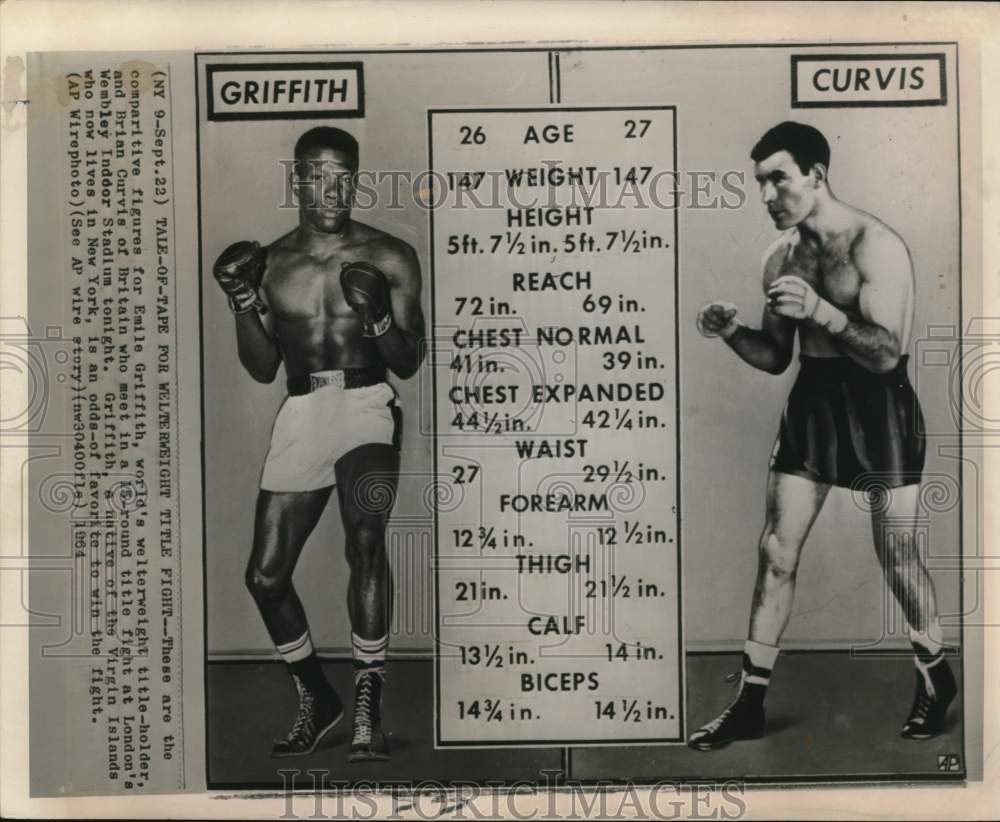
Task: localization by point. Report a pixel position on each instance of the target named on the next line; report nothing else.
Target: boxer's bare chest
(315, 326)
(830, 269)
(306, 287)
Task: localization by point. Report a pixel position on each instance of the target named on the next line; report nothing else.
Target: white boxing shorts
(312, 431)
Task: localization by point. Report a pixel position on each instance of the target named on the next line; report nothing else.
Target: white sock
(369, 652)
(762, 658)
(297, 649)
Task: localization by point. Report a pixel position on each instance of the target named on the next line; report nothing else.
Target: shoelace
(363, 710)
(924, 700)
(921, 707)
(716, 723)
(303, 725)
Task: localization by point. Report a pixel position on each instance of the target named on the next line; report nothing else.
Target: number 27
(635, 130)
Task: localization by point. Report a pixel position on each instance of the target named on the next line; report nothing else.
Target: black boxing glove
(367, 292)
(239, 271)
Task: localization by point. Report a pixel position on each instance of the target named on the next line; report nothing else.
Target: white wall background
(897, 163)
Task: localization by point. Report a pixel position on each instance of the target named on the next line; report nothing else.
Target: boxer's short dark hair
(806, 144)
(326, 137)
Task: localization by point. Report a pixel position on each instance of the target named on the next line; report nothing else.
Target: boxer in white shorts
(313, 431)
(338, 302)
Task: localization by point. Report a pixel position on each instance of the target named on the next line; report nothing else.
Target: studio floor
(830, 716)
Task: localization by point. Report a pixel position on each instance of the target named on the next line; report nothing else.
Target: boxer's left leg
(367, 478)
(282, 524)
(793, 502)
(894, 521)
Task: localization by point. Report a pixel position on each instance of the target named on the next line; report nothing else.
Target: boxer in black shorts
(843, 281)
(337, 302)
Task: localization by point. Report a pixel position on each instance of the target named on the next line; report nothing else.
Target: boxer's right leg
(282, 524)
(793, 502)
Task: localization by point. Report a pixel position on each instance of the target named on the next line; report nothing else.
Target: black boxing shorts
(847, 426)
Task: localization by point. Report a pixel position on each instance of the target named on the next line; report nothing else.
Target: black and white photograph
(552, 551)
(564, 410)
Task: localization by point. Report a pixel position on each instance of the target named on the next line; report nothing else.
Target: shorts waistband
(345, 378)
(844, 368)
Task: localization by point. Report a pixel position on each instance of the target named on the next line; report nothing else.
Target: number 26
(472, 135)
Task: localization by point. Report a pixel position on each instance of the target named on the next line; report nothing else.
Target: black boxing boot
(743, 719)
(936, 688)
(368, 743)
(319, 710)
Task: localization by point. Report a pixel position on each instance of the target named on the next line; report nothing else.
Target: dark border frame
(940, 57)
(867, 779)
(211, 69)
(682, 655)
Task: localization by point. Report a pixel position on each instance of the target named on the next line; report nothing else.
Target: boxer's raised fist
(792, 297)
(367, 292)
(239, 270)
(718, 319)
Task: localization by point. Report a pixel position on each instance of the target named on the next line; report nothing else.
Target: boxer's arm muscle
(885, 301)
(259, 353)
(768, 348)
(402, 346)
